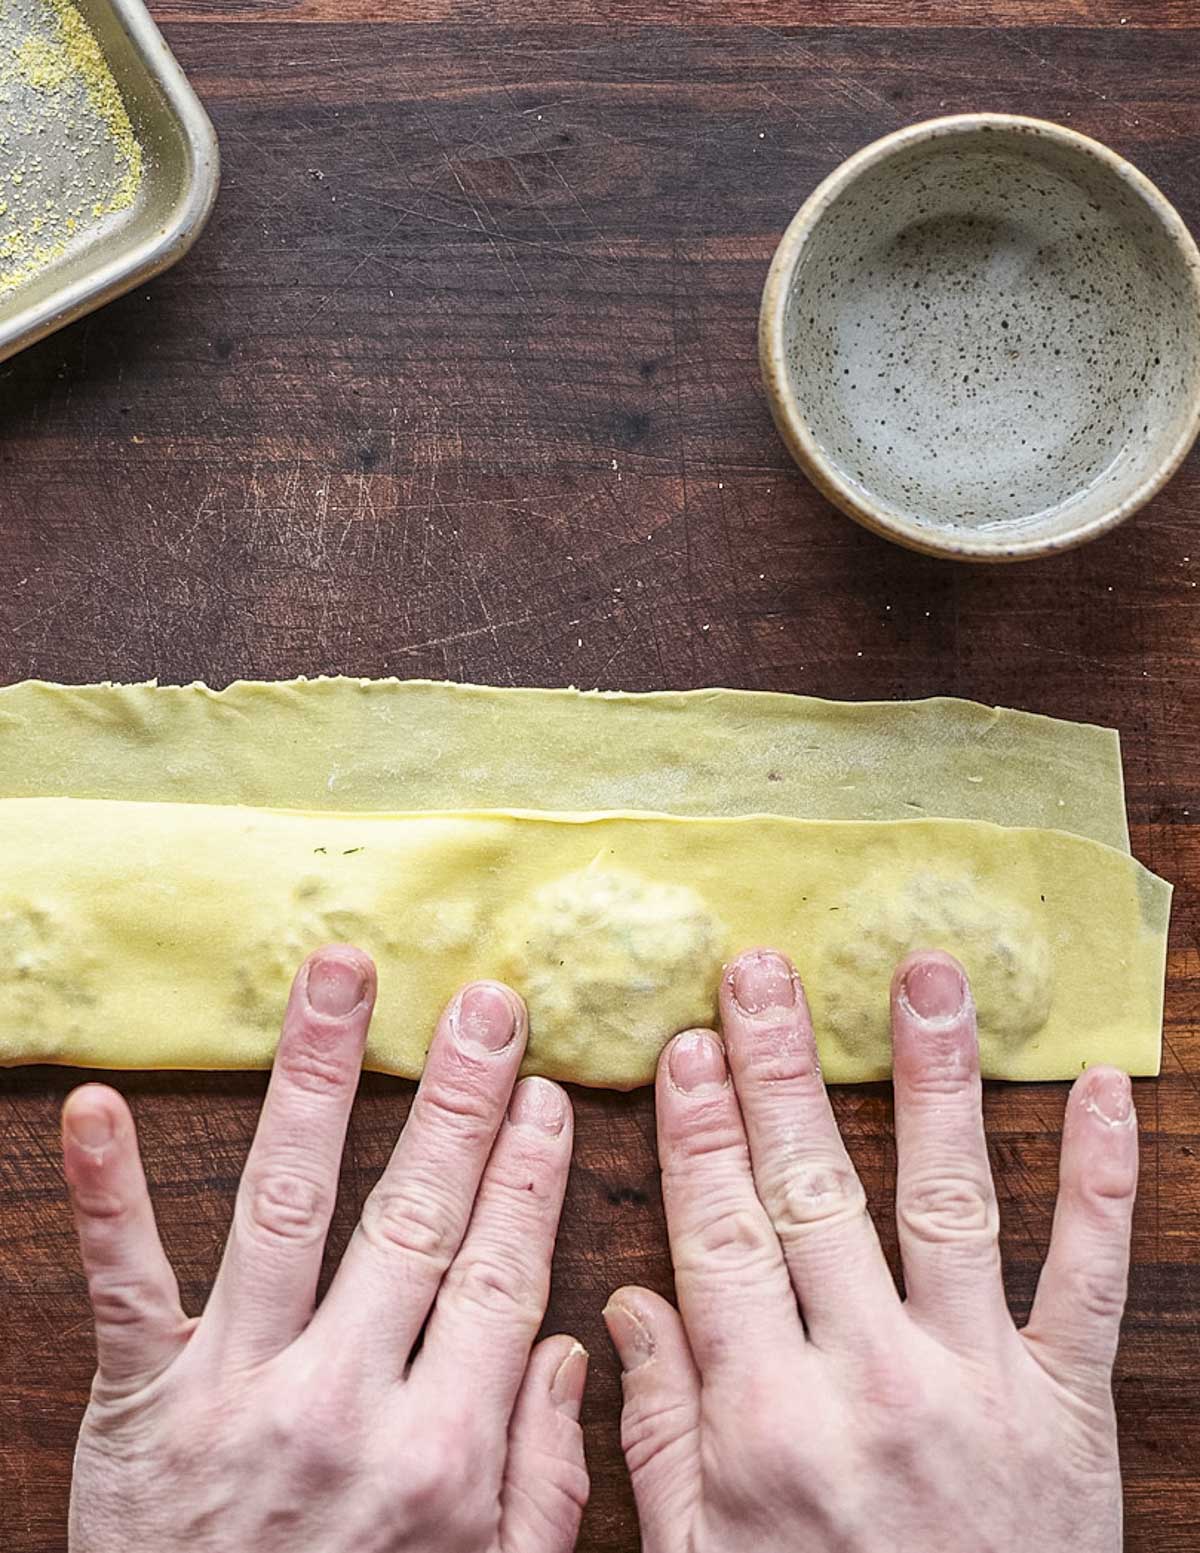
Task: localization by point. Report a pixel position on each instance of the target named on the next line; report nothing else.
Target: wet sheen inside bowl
(993, 331)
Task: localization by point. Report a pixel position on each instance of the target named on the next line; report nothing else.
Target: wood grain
(461, 382)
(608, 14)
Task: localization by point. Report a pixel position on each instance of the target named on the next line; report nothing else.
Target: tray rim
(155, 252)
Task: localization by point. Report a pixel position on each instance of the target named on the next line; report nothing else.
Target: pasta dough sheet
(388, 744)
(165, 935)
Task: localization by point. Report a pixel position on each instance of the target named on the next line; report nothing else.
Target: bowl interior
(991, 330)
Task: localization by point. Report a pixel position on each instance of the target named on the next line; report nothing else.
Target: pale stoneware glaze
(980, 337)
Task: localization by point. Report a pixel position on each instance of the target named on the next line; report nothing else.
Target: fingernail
(90, 1129)
(335, 987)
(631, 1337)
(697, 1062)
(485, 1016)
(1110, 1097)
(539, 1104)
(566, 1389)
(935, 989)
(763, 981)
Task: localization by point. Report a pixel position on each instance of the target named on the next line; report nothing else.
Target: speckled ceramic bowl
(981, 337)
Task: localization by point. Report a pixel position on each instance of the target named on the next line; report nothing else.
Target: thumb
(660, 1421)
(545, 1477)
(135, 1300)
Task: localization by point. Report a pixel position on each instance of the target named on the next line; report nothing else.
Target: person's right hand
(794, 1401)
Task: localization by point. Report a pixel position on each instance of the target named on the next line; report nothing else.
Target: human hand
(794, 1401)
(263, 1425)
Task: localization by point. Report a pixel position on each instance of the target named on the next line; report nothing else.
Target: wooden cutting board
(461, 382)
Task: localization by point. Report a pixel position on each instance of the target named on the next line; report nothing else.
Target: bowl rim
(793, 425)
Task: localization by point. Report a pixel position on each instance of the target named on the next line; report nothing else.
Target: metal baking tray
(54, 158)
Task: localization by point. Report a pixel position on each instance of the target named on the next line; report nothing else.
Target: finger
(945, 1201)
(493, 1297)
(804, 1176)
(545, 1476)
(264, 1293)
(1076, 1317)
(660, 1419)
(140, 1326)
(414, 1220)
(735, 1296)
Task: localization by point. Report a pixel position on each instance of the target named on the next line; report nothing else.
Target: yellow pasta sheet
(386, 745)
(164, 935)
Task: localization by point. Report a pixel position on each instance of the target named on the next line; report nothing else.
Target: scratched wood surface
(461, 382)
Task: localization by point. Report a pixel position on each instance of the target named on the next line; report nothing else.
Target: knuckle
(498, 1288)
(817, 1194)
(1110, 1187)
(1097, 1293)
(411, 1217)
(313, 1068)
(713, 1135)
(568, 1481)
(947, 1208)
(730, 1240)
(281, 1203)
(436, 1480)
(120, 1301)
(555, 1487)
(429, 1491)
(95, 1202)
(892, 1384)
(460, 1105)
(783, 1052)
(947, 1070)
(314, 1443)
(650, 1428)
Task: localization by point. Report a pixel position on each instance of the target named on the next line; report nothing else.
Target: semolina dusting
(68, 153)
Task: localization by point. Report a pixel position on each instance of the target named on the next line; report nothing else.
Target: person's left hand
(407, 1412)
